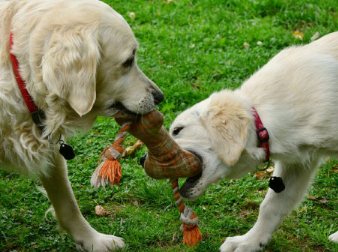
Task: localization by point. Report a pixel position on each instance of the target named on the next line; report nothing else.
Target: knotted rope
(109, 169)
(109, 172)
(191, 232)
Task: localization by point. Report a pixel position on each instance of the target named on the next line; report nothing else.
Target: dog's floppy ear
(227, 125)
(69, 67)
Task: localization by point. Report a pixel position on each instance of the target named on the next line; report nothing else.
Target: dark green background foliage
(190, 49)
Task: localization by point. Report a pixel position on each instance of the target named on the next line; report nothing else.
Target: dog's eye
(177, 130)
(128, 62)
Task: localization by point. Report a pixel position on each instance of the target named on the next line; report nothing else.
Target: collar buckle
(38, 117)
(262, 135)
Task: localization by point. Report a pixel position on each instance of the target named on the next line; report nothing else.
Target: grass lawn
(190, 48)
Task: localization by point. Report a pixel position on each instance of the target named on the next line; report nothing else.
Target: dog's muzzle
(158, 97)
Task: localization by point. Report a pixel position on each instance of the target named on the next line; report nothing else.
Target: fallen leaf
(246, 45)
(259, 43)
(303, 209)
(132, 15)
(319, 199)
(298, 35)
(270, 169)
(173, 239)
(315, 36)
(100, 211)
(131, 149)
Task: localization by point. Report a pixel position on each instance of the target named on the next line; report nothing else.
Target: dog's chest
(21, 150)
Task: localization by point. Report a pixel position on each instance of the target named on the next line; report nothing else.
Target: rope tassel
(109, 169)
(191, 232)
(165, 160)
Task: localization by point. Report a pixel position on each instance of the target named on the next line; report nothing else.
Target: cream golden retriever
(78, 60)
(295, 95)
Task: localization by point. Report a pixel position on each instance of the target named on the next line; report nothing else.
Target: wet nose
(158, 97)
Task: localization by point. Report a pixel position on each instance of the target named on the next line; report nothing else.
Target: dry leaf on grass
(132, 15)
(320, 199)
(315, 36)
(100, 211)
(246, 45)
(298, 35)
(270, 169)
(131, 149)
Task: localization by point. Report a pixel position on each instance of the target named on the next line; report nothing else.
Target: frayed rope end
(191, 235)
(109, 169)
(108, 172)
(191, 232)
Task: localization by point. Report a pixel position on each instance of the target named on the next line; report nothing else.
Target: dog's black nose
(158, 97)
(143, 159)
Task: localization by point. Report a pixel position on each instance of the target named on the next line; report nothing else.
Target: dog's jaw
(195, 187)
(190, 189)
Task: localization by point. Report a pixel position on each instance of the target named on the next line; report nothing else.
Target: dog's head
(90, 62)
(219, 130)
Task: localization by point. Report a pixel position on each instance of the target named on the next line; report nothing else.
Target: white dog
(295, 95)
(77, 59)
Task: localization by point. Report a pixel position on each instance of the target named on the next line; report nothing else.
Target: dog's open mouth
(122, 111)
(191, 181)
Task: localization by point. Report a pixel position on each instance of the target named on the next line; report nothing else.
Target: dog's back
(299, 87)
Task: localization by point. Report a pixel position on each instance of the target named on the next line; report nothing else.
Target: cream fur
(295, 94)
(71, 55)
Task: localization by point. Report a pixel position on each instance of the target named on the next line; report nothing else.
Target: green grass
(190, 49)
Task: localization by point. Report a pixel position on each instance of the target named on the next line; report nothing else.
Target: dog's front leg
(68, 213)
(273, 209)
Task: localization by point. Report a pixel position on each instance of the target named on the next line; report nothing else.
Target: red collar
(37, 115)
(262, 135)
(21, 83)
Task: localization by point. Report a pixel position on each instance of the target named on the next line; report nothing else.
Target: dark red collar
(37, 115)
(262, 135)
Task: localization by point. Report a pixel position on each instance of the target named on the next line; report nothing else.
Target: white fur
(71, 55)
(295, 94)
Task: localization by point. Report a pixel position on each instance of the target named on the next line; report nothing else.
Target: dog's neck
(275, 183)
(262, 135)
(37, 115)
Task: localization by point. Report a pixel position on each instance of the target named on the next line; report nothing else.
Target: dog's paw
(242, 244)
(334, 237)
(101, 243)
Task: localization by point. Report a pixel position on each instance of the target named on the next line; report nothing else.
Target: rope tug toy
(109, 169)
(165, 160)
